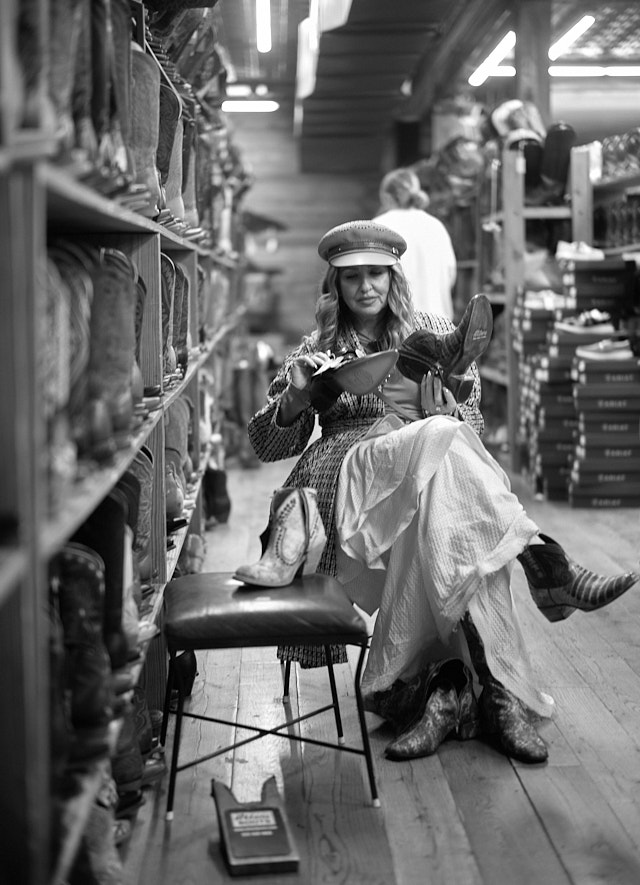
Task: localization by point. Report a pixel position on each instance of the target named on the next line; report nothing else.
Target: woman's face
(365, 289)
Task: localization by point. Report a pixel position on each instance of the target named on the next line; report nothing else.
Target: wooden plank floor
(466, 816)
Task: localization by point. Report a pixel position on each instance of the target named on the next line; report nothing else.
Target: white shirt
(429, 263)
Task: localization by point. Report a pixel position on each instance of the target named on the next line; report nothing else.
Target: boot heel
(312, 560)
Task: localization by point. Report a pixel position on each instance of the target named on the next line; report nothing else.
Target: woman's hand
(304, 367)
(436, 399)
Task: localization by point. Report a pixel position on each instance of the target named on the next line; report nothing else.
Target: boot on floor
(503, 717)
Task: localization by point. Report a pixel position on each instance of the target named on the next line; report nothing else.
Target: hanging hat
(361, 242)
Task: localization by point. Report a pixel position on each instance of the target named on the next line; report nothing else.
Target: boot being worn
(449, 354)
(403, 702)
(293, 540)
(502, 714)
(439, 719)
(447, 706)
(559, 585)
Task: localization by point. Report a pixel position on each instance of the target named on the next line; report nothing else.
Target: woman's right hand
(303, 367)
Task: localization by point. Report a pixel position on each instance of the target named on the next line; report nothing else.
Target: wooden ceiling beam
(471, 26)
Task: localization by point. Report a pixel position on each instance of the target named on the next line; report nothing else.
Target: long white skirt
(428, 528)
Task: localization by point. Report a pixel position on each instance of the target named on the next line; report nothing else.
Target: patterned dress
(346, 422)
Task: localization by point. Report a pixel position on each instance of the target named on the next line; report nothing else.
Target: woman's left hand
(436, 399)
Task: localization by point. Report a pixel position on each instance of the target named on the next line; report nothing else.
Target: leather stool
(209, 611)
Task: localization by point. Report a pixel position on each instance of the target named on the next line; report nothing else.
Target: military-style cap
(361, 242)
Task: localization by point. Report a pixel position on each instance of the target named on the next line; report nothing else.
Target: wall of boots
(122, 253)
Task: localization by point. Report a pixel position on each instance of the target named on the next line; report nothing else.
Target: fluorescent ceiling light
(263, 25)
(621, 71)
(238, 90)
(568, 39)
(504, 71)
(494, 58)
(593, 71)
(491, 66)
(249, 107)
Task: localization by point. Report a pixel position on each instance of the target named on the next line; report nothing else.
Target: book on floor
(256, 836)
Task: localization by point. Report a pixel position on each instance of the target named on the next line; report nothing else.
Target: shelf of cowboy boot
(542, 213)
(73, 812)
(70, 201)
(197, 357)
(92, 483)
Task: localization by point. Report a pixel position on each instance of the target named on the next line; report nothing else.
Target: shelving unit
(40, 201)
(512, 220)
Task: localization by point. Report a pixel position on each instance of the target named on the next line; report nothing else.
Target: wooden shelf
(73, 206)
(88, 491)
(542, 213)
(616, 184)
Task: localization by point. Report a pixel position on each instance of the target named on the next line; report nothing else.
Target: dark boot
(77, 586)
(104, 532)
(217, 504)
(449, 354)
(447, 706)
(559, 585)
(502, 714)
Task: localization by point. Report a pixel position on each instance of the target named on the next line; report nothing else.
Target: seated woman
(421, 525)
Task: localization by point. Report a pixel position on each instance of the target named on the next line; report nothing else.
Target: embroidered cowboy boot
(293, 541)
(168, 289)
(449, 354)
(112, 347)
(502, 714)
(559, 585)
(448, 706)
(145, 126)
(78, 589)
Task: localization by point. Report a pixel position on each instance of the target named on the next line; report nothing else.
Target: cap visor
(356, 259)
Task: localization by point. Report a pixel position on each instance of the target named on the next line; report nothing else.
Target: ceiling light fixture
(568, 39)
(593, 71)
(494, 58)
(491, 66)
(263, 25)
(238, 90)
(249, 107)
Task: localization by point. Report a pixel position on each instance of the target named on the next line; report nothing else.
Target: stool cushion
(213, 610)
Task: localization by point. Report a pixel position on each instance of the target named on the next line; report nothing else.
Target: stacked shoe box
(606, 284)
(548, 402)
(606, 465)
(553, 430)
(532, 321)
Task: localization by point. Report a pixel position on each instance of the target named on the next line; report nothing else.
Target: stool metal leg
(287, 677)
(167, 699)
(334, 694)
(363, 728)
(173, 771)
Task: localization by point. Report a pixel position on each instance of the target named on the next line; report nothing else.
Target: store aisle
(465, 815)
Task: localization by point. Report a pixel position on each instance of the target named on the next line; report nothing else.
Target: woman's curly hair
(333, 317)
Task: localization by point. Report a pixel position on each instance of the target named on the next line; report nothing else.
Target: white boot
(293, 541)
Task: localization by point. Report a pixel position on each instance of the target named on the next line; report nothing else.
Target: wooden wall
(309, 204)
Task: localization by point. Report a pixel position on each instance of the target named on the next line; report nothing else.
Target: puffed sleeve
(270, 440)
